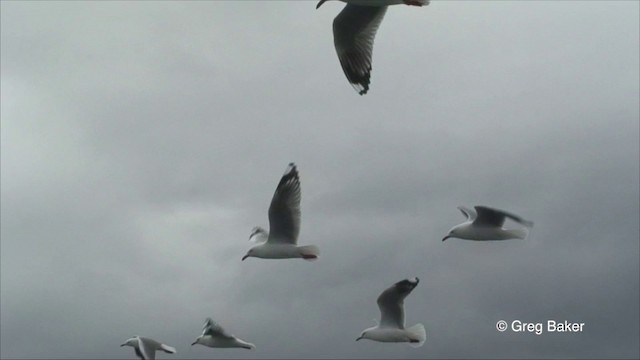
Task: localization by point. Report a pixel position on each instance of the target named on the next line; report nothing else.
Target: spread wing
(138, 353)
(493, 217)
(391, 303)
(258, 235)
(354, 31)
(468, 213)
(284, 212)
(146, 349)
(214, 329)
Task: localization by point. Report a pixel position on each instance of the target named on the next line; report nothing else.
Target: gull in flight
(354, 30)
(146, 348)
(284, 224)
(213, 335)
(486, 223)
(391, 326)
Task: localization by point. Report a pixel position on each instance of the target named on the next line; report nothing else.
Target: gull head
(130, 342)
(253, 252)
(249, 253)
(197, 340)
(455, 232)
(366, 333)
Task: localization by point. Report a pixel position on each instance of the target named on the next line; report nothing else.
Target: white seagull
(146, 348)
(354, 30)
(391, 326)
(486, 223)
(213, 335)
(284, 224)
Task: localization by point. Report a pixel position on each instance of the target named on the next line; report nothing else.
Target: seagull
(284, 222)
(391, 326)
(354, 30)
(485, 223)
(146, 348)
(213, 335)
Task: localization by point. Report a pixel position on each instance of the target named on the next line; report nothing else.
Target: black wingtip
(291, 174)
(407, 285)
(291, 169)
(361, 86)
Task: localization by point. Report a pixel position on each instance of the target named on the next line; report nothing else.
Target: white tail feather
(419, 333)
(309, 252)
(519, 233)
(168, 349)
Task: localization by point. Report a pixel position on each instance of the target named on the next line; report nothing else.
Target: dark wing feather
(284, 211)
(496, 217)
(489, 217)
(391, 303)
(139, 353)
(354, 31)
(214, 329)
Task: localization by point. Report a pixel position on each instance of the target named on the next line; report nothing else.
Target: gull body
(354, 31)
(391, 326)
(379, 334)
(485, 223)
(281, 242)
(214, 336)
(146, 348)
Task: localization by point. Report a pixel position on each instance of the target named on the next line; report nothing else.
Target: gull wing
(138, 353)
(146, 349)
(258, 235)
(284, 212)
(391, 303)
(214, 329)
(494, 217)
(468, 213)
(354, 31)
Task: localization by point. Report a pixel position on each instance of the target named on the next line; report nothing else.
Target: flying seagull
(391, 326)
(354, 30)
(213, 335)
(486, 223)
(284, 224)
(146, 348)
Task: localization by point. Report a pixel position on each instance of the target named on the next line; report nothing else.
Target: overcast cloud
(141, 142)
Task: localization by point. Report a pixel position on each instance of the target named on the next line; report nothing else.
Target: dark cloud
(141, 142)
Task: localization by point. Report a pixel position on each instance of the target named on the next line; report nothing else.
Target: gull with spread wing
(354, 30)
(146, 348)
(485, 223)
(280, 242)
(213, 335)
(391, 326)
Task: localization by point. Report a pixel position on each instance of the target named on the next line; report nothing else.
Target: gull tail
(248, 345)
(519, 233)
(418, 335)
(309, 252)
(527, 223)
(168, 349)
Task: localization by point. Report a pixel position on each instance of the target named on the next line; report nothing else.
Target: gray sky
(141, 142)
